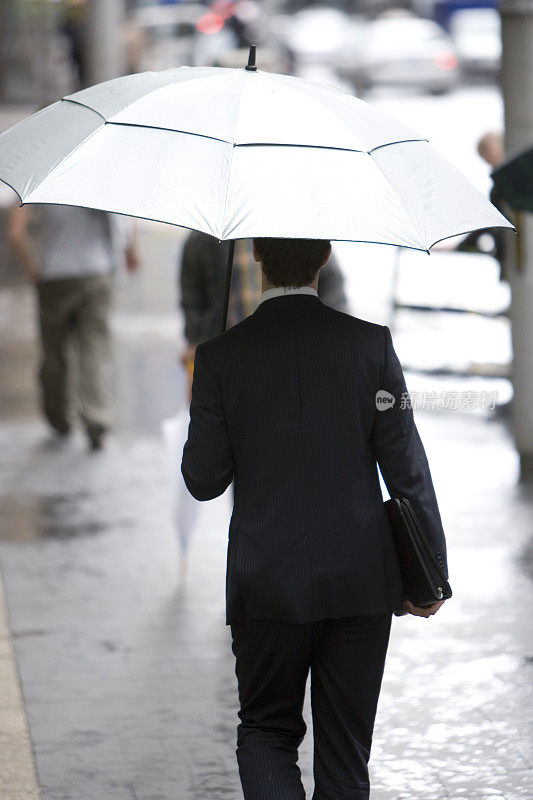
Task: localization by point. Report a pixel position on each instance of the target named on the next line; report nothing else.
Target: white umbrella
(239, 153)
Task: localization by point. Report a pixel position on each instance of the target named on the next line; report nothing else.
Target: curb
(18, 774)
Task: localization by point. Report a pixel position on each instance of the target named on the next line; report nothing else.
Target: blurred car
(314, 35)
(400, 50)
(168, 36)
(442, 11)
(476, 34)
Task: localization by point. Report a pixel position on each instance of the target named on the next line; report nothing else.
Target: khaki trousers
(75, 364)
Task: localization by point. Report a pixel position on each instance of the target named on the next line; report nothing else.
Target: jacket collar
(289, 302)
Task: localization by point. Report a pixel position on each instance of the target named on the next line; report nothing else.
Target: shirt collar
(279, 291)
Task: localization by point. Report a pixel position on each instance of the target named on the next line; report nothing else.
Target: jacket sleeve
(207, 461)
(400, 453)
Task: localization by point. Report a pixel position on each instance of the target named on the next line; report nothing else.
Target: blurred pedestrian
(285, 405)
(491, 149)
(74, 28)
(68, 254)
(202, 278)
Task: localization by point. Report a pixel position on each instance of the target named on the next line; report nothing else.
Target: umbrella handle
(228, 284)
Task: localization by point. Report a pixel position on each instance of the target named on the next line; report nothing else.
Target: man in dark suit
(202, 282)
(286, 405)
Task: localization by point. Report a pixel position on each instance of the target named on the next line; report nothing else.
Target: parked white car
(477, 36)
(315, 35)
(400, 50)
(171, 35)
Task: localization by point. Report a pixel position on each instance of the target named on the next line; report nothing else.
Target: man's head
(291, 262)
(491, 148)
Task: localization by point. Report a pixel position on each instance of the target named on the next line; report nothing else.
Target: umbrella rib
(409, 211)
(293, 144)
(68, 155)
(185, 227)
(384, 244)
(389, 144)
(471, 230)
(83, 105)
(326, 146)
(147, 127)
(223, 217)
(237, 114)
(107, 211)
(169, 130)
(13, 188)
(238, 144)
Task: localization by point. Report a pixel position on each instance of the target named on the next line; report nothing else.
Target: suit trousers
(346, 659)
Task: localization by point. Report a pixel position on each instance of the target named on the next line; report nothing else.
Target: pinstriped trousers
(346, 659)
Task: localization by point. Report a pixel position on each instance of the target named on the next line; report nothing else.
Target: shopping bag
(184, 506)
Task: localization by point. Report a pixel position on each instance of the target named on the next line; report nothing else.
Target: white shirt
(278, 291)
(74, 242)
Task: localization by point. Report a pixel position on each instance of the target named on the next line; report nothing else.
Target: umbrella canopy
(239, 154)
(514, 181)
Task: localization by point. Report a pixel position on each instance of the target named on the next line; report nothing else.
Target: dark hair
(291, 262)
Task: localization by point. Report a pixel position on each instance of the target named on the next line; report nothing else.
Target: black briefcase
(423, 579)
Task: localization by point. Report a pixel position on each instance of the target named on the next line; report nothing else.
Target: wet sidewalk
(125, 661)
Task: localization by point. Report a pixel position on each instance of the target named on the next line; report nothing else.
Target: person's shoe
(61, 430)
(57, 439)
(96, 438)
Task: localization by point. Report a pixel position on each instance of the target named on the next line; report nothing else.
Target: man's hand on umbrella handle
(425, 611)
(186, 358)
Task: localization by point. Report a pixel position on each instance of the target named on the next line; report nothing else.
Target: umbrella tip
(250, 67)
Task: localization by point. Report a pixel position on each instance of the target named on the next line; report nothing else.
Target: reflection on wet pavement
(126, 665)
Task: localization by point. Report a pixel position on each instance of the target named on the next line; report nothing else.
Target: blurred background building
(49, 45)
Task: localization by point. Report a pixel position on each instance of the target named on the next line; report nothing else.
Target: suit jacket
(202, 281)
(284, 404)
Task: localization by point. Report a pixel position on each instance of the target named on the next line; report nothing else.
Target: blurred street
(124, 659)
(126, 667)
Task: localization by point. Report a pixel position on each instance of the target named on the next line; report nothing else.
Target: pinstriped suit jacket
(284, 404)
